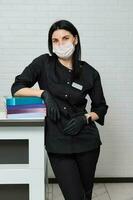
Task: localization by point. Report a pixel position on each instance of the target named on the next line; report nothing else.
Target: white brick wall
(106, 30)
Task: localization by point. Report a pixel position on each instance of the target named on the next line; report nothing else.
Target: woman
(71, 137)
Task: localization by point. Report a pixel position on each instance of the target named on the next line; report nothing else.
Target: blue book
(23, 100)
(14, 107)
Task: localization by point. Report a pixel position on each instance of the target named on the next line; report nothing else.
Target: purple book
(27, 110)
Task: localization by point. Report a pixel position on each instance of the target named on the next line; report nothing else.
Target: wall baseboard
(104, 180)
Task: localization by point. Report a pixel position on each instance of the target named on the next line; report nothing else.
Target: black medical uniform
(70, 95)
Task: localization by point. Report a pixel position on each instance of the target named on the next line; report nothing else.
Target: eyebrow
(63, 36)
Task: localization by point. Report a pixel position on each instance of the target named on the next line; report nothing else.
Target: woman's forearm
(29, 92)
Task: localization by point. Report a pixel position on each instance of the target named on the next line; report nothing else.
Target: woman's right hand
(52, 109)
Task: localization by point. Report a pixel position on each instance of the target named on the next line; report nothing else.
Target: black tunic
(54, 77)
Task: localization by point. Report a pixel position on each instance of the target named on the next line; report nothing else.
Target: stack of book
(25, 108)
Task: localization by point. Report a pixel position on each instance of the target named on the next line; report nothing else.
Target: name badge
(76, 85)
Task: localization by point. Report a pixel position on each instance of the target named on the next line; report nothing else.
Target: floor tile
(99, 189)
(50, 187)
(57, 194)
(99, 192)
(108, 191)
(50, 196)
(120, 191)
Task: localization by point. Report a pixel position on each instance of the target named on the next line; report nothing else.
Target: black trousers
(75, 173)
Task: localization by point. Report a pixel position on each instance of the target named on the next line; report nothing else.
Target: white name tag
(76, 85)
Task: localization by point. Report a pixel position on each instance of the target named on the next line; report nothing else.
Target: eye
(54, 40)
(66, 38)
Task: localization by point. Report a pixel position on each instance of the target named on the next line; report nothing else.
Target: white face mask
(64, 51)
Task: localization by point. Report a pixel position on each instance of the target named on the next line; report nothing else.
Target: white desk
(34, 172)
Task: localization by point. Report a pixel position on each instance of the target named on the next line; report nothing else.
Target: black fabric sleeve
(28, 77)
(98, 104)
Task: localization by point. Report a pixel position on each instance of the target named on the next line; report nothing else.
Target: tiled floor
(108, 191)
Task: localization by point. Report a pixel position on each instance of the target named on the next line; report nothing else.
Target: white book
(26, 116)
